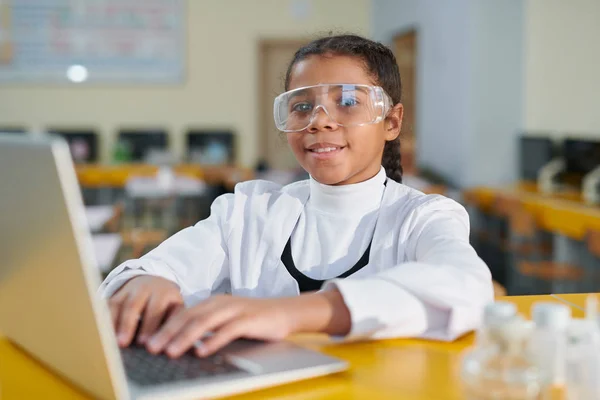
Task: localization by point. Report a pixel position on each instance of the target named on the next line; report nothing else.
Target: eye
(348, 101)
(302, 107)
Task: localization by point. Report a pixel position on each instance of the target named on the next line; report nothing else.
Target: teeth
(325, 149)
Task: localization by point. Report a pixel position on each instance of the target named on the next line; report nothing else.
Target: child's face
(360, 148)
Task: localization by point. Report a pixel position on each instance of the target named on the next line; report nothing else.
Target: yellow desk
(576, 301)
(98, 175)
(563, 213)
(389, 369)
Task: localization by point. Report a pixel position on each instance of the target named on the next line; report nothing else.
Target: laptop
(50, 308)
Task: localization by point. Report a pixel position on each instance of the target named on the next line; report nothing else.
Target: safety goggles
(345, 104)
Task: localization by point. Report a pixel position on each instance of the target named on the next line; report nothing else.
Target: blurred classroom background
(167, 104)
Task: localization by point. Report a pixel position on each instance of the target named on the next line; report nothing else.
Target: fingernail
(122, 338)
(153, 344)
(173, 349)
(200, 348)
(142, 339)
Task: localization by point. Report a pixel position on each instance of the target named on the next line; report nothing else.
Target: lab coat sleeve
(195, 258)
(438, 294)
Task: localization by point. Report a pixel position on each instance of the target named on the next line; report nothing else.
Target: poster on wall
(106, 41)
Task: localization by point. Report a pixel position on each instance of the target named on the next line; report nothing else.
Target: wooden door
(6, 51)
(275, 56)
(405, 49)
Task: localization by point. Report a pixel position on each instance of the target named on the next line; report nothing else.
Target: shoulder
(257, 188)
(255, 200)
(418, 205)
(259, 196)
(417, 215)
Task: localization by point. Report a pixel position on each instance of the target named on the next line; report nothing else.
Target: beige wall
(220, 89)
(469, 83)
(562, 68)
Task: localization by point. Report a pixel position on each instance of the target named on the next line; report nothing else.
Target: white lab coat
(423, 278)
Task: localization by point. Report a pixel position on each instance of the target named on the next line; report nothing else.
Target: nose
(321, 121)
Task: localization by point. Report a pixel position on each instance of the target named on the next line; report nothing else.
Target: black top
(306, 284)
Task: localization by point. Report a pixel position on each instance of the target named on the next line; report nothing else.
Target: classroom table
(106, 247)
(561, 213)
(576, 301)
(399, 369)
(142, 187)
(105, 175)
(98, 216)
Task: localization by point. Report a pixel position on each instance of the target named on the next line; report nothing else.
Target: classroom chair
(524, 248)
(590, 261)
(114, 224)
(486, 234)
(522, 242)
(193, 208)
(140, 241)
(498, 239)
(532, 269)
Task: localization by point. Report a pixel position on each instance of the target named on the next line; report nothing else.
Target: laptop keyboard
(147, 369)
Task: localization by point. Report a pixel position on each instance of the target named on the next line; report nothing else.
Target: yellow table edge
(553, 213)
(386, 369)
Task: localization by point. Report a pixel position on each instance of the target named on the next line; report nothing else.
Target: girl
(349, 252)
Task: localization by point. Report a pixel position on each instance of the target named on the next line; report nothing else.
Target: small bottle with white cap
(497, 367)
(548, 347)
(583, 354)
(494, 314)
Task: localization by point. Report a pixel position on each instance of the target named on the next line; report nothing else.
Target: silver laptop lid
(48, 276)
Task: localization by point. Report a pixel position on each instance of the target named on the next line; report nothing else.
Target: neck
(352, 198)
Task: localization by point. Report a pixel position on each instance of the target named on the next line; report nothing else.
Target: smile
(325, 149)
(325, 153)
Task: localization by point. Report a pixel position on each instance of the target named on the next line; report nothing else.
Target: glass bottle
(499, 367)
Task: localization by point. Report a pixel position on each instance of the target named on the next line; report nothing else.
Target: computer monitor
(581, 155)
(535, 152)
(12, 130)
(83, 143)
(140, 142)
(211, 146)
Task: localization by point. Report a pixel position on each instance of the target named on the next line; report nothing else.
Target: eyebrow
(304, 92)
(341, 88)
(354, 88)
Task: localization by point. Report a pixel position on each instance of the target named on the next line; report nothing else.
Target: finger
(115, 309)
(196, 329)
(115, 303)
(172, 326)
(130, 317)
(122, 292)
(154, 314)
(173, 310)
(177, 321)
(208, 305)
(222, 337)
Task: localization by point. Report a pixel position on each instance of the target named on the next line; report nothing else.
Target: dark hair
(380, 63)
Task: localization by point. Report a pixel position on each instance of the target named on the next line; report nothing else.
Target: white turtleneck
(336, 226)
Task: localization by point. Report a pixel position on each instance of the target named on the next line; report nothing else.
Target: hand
(153, 296)
(229, 318)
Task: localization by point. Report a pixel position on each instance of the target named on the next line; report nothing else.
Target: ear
(393, 122)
